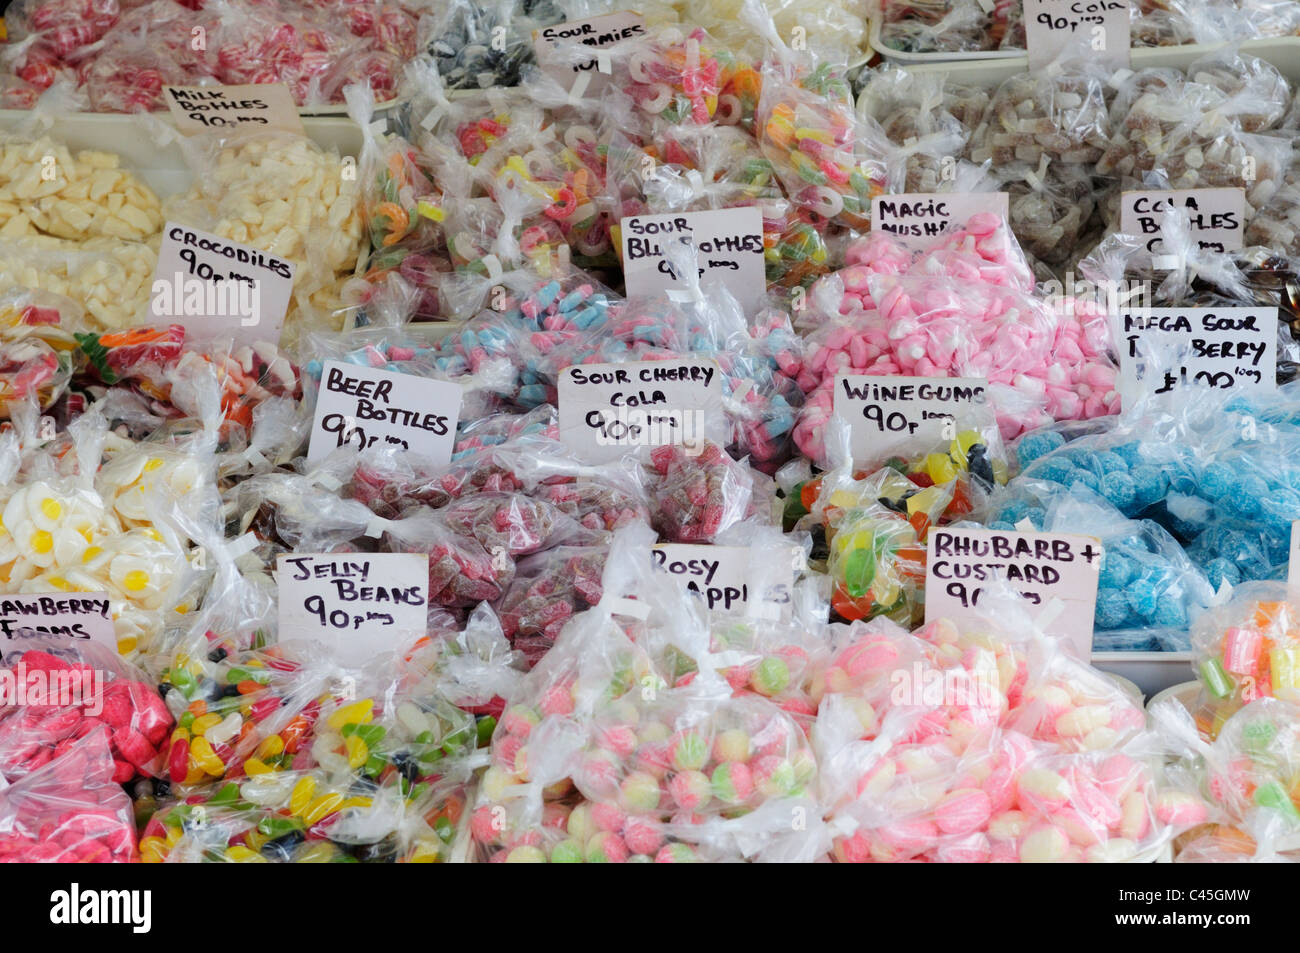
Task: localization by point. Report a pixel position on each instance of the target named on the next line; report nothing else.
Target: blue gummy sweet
(1112, 609)
(1131, 453)
(1055, 469)
(1086, 477)
(1118, 487)
(1149, 486)
(1170, 612)
(1034, 445)
(1142, 598)
(1217, 481)
(1109, 461)
(1116, 570)
(1280, 508)
(1248, 495)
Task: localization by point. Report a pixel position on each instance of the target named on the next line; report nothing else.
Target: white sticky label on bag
(358, 604)
(919, 219)
(1052, 24)
(363, 407)
(216, 288)
(726, 577)
(609, 410)
(251, 106)
(82, 616)
(596, 32)
(728, 241)
(1163, 350)
(1042, 567)
(1217, 216)
(906, 416)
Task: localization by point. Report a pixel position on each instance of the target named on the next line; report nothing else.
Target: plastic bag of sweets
(70, 810)
(830, 161)
(696, 495)
(471, 666)
(72, 688)
(1245, 650)
(935, 26)
(461, 38)
(549, 589)
(38, 345)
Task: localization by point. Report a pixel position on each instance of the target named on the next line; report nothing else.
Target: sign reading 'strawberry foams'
(84, 616)
(363, 407)
(1045, 568)
(359, 604)
(259, 106)
(609, 410)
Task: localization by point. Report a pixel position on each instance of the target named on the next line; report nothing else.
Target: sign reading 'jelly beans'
(1044, 567)
(359, 604)
(905, 416)
(729, 577)
(609, 410)
(1217, 216)
(918, 219)
(596, 32)
(364, 407)
(261, 106)
(1164, 350)
(728, 241)
(84, 616)
(1102, 26)
(219, 289)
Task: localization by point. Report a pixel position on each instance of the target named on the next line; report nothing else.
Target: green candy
(486, 726)
(1273, 795)
(567, 852)
(772, 676)
(859, 572)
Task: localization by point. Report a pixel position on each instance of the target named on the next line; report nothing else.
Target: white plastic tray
(163, 168)
(1150, 671)
(1184, 693)
(903, 58)
(1283, 52)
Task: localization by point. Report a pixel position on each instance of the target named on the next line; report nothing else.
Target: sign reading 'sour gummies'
(918, 219)
(360, 604)
(1217, 217)
(730, 577)
(1052, 24)
(217, 288)
(903, 416)
(1163, 350)
(253, 106)
(595, 32)
(608, 410)
(364, 406)
(728, 242)
(84, 616)
(1043, 567)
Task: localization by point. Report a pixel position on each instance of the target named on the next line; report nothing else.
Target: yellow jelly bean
(152, 850)
(255, 839)
(358, 751)
(322, 807)
(271, 747)
(239, 854)
(302, 794)
(256, 766)
(174, 835)
(201, 725)
(317, 853)
(426, 852)
(207, 759)
(357, 713)
(180, 734)
(196, 773)
(362, 802)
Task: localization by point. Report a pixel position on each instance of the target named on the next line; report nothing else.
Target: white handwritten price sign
(1043, 567)
(729, 242)
(1217, 216)
(84, 616)
(1102, 24)
(217, 288)
(908, 415)
(728, 578)
(364, 406)
(259, 106)
(359, 604)
(595, 32)
(918, 219)
(609, 410)
(1164, 350)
